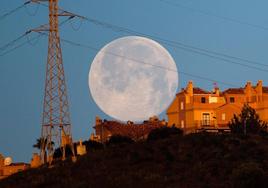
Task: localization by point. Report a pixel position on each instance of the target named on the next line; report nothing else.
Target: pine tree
(248, 121)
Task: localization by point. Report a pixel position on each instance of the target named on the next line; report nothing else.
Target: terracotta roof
(19, 164)
(229, 104)
(198, 90)
(134, 131)
(234, 91)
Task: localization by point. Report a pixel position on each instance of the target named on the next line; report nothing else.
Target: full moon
(133, 78)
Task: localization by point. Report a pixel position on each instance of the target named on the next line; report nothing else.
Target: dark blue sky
(215, 25)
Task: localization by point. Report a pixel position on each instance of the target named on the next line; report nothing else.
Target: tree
(38, 143)
(248, 174)
(164, 132)
(119, 139)
(68, 151)
(248, 121)
(41, 143)
(92, 145)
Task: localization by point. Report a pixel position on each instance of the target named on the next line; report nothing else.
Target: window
(212, 99)
(182, 124)
(232, 99)
(223, 117)
(203, 99)
(182, 105)
(205, 119)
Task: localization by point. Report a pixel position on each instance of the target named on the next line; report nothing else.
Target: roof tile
(234, 91)
(198, 90)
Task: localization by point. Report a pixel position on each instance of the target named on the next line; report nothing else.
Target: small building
(81, 149)
(105, 129)
(12, 169)
(195, 108)
(36, 160)
(7, 168)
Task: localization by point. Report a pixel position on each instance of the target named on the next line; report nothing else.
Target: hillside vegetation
(196, 160)
(167, 159)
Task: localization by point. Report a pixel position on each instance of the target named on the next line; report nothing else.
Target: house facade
(195, 108)
(12, 168)
(105, 129)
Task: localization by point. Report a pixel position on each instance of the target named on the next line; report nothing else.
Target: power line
(13, 42)
(168, 42)
(32, 13)
(13, 10)
(182, 46)
(76, 28)
(143, 62)
(178, 45)
(185, 47)
(110, 53)
(20, 45)
(174, 44)
(176, 4)
(4, 47)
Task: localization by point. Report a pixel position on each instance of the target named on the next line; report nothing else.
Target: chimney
(258, 90)
(259, 87)
(248, 91)
(217, 91)
(190, 88)
(248, 87)
(98, 121)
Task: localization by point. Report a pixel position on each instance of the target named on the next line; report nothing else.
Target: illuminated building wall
(194, 108)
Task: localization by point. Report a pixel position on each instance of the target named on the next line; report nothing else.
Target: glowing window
(182, 105)
(182, 124)
(223, 116)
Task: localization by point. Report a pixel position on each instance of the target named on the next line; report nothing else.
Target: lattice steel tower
(56, 123)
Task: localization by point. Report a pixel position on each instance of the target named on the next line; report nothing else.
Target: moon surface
(133, 78)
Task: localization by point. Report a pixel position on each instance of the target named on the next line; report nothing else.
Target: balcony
(205, 123)
(210, 126)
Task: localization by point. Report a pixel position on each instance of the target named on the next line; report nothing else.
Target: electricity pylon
(56, 123)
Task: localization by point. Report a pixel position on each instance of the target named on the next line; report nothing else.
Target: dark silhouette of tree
(68, 151)
(39, 142)
(248, 174)
(119, 139)
(248, 121)
(92, 145)
(164, 132)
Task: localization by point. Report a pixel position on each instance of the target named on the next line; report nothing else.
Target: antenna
(215, 85)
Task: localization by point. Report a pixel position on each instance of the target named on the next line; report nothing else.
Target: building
(80, 148)
(36, 161)
(105, 129)
(195, 108)
(8, 168)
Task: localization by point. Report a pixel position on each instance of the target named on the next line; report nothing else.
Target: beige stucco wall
(216, 105)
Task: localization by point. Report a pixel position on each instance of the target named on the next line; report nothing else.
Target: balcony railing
(205, 123)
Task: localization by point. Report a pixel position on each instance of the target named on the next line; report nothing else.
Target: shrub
(68, 152)
(119, 139)
(92, 145)
(248, 121)
(163, 132)
(248, 175)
